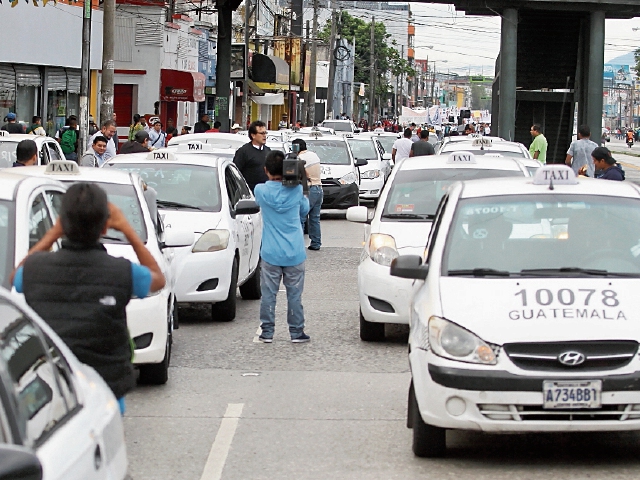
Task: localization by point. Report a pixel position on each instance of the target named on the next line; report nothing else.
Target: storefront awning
(179, 86)
(269, 69)
(269, 99)
(253, 87)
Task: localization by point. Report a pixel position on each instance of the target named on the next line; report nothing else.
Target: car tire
(370, 331)
(250, 290)
(428, 441)
(410, 405)
(158, 373)
(226, 311)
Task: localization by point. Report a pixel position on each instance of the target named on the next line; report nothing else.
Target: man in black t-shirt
(11, 126)
(422, 146)
(251, 156)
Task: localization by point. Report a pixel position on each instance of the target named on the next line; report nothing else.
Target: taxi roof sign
(555, 175)
(481, 142)
(161, 155)
(195, 147)
(461, 157)
(62, 167)
(4, 133)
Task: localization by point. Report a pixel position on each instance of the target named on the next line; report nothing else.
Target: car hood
(122, 250)
(190, 221)
(410, 237)
(543, 309)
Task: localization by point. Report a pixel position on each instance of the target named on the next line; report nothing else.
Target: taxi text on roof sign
(62, 167)
(482, 142)
(4, 133)
(461, 157)
(555, 175)
(194, 147)
(161, 155)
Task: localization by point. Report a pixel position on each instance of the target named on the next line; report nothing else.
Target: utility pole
(108, 48)
(311, 119)
(245, 84)
(84, 77)
(332, 66)
(401, 83)
(372, 71)
(223, 68)
(303, 65)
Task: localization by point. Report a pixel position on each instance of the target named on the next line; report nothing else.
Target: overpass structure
(551, 59)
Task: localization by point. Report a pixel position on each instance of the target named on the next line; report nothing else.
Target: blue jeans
(315, 202)
(293, 279)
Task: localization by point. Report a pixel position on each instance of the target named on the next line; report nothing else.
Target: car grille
(530, 413)
(601, 355)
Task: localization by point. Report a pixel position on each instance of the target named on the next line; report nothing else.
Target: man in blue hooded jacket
(283, 252)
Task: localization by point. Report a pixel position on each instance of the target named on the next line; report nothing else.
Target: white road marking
(221, 445)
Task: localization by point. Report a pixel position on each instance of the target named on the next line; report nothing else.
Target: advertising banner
(618, 74)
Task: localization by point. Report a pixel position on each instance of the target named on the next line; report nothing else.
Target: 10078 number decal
(568, 303)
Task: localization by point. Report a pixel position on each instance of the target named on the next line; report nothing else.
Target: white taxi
(374, 175)
(48, 148)
(215, 139)
(486, 146)
(524, 314)
(151, 320)
(53, 405)
(401, 224)
(205, 194)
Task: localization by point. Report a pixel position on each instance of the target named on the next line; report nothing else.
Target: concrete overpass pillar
(223, 66)
(508, 72)
(595, 75)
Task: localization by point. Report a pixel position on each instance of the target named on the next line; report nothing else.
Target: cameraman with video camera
(283, 254)
(313, 170)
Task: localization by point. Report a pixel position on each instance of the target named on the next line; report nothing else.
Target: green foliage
(387, 56)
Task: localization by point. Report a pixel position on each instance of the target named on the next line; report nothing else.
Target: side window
(39, 220)
(233, 190)
(55, 199)
(42, 403)
(245, 192)
(436, 226)
(54, 154)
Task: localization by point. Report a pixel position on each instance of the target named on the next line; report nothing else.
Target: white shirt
(111, 145)
(402, 146)
(157, 139)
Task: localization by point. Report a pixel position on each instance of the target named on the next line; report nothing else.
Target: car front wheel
(226, 311)
(428, 441)
(371, 331)
(250, 290)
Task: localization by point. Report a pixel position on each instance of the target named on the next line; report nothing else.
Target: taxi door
(254, 221)
(242, 223)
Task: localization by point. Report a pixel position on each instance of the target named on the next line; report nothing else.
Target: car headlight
(212, 241)
(370, 174)
(451, 341)
(382, 248)
(348, 178)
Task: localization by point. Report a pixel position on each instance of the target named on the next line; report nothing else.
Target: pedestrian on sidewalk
(609, 169)
(282, 251)
(82, 292)
(108, 131)
(157, 137)
(422, 147)
(539, 145)
(250, 157)
(139, 144)
(313, 169)
(579, 153)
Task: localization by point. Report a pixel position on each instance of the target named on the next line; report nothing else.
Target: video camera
(293, 172)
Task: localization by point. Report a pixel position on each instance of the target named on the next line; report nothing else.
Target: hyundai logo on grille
(571, 358)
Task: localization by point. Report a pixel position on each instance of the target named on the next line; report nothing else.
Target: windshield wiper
(565, 271)
(424, 216)
(169, 204)
(479, 272)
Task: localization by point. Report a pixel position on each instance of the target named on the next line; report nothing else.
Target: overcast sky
(471, 44)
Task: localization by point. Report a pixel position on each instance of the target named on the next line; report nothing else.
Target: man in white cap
(235, 128)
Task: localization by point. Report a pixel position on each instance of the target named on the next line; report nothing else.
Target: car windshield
(7, 154)
(331, 152)
(7, 222)
(387, 142)
(338, 126)
(182, 187)
(363, 149)
(545, 235)
(415, 194)
(488, 151)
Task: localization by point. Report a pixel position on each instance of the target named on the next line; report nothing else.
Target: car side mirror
(19, 462)
(177, 238)
(409, 266)
(359, 214)
(361, 162)
(247, 207)
(386, 156)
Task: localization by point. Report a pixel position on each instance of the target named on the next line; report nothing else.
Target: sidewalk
(629, 158)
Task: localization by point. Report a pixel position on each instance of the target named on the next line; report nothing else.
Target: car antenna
(551, 184)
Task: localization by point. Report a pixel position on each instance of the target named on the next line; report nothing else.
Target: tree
(388, 59)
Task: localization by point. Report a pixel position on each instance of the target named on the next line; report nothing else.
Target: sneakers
(265, 339)
(304, 338)
(313, 248)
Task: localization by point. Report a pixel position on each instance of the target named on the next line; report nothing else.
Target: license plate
(575, 394)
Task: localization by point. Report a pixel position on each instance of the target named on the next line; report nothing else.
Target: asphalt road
(331, 409)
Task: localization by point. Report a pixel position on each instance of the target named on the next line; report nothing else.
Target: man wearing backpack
(69, 140)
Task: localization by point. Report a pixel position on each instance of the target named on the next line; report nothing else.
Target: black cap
(141, 136)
